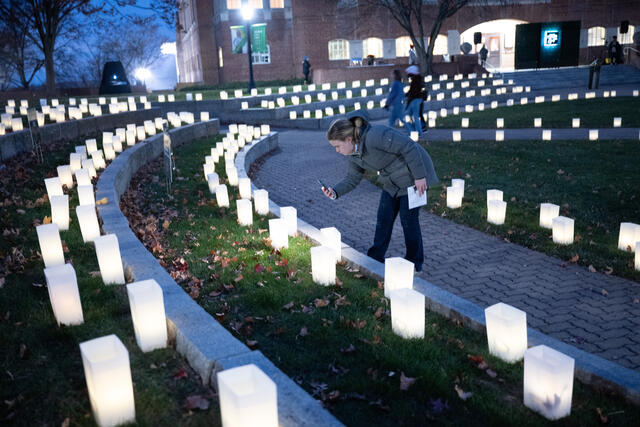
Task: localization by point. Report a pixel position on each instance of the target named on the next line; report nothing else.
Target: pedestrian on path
(413, 56)
(415, 96)
(394, 100)
(306, 69)
(400, 162)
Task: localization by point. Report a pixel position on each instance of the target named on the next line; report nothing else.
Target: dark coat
(416, 90)
(306, 66)
(396, 157)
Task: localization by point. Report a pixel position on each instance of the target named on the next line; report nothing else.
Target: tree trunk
(50, 71)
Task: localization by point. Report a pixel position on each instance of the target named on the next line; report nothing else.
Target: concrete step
(575, 76)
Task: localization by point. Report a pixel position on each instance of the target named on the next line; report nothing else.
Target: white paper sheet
(415, 200)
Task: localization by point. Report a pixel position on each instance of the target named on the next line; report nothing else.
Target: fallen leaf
(603, 418)
(95, 274)
(321, 302)
(23, 350)
(102, 201)
(338, 282)
(46, 220)
(288, 306)
(379, 313)
(406, 382)
(165, 224)
(464, 395)
(575, 258)
(303, 331)
(238, 278)
(348, 350)
(604, 292)
(252, 344)
(180, 374)
(66, 422)
(608, 271)
(592, 269)
(196, 402)
(491, 373)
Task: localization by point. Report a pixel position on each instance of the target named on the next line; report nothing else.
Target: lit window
(256, 4)
(403, 44)
(596, 36)
(220, 61)
(440, 46)
(276, 4)
(234, 4)
(626, 38)
(338, 49)
(261, 57)
(372, 46)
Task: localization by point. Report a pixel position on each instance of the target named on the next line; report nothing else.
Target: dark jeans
(388, 210)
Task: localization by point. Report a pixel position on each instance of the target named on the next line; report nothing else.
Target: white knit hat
(412, 70)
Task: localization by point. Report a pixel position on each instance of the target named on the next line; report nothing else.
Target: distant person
(401, 163)
(483, 55)
(413, 56)
(394, 99)
(615, 51)
(306, 69)
(414, 99)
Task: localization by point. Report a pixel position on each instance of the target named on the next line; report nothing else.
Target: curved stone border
(589, 369)
(15, 143)
(207, 345)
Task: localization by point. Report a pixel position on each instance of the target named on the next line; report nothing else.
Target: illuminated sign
(551, 38)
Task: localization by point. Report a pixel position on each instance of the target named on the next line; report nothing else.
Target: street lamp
(247, 14)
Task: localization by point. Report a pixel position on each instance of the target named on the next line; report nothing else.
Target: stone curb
(207, 345)
(15, 143)
(589, 369)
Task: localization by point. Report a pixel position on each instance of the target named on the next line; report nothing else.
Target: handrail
(628, 48)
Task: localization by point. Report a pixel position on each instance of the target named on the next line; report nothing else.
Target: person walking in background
(483, 55)
(413, 56)
(394, 99)
(400, 162)
(615, 51)
(306, 69)
(415, 96)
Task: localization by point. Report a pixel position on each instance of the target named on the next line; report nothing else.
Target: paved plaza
(592, 311)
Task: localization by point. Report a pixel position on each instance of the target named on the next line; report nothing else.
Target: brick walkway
(564, 301)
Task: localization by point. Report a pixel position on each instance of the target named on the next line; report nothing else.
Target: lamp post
(247, 14)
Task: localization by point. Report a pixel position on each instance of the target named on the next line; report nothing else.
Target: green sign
(258, 38)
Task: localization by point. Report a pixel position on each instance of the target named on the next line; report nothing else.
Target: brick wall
(304, 27)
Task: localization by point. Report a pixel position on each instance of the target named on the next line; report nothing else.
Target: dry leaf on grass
(406, 382)
(102, 201)
(464, 395)
(196, 402)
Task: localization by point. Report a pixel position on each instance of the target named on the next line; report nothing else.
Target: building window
(596, 36)
(626, 38)
(403, 44)
(372, 46)
(220, 61)
(440, 46)
(234, 4)
(256, 4)
(276, 4)
(261, 57)
(338, 49)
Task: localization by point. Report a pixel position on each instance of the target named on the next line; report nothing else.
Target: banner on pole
(258, 38)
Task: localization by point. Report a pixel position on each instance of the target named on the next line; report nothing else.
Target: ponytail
(342, 128)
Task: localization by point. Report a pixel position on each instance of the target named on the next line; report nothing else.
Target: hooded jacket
(396, 157)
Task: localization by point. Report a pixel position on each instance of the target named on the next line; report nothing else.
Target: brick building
(336, 34)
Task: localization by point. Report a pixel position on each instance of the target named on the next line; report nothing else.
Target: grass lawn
(336, 341)
(593, 113)
(595, 183)
(42, 380)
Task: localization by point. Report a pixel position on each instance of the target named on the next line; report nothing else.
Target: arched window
(596, 36)
(403, 44)
(626, 38)
(338, 49)
(372, 46)
(440, 47)
(256, 4)
(276, 4)
(234, 4)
